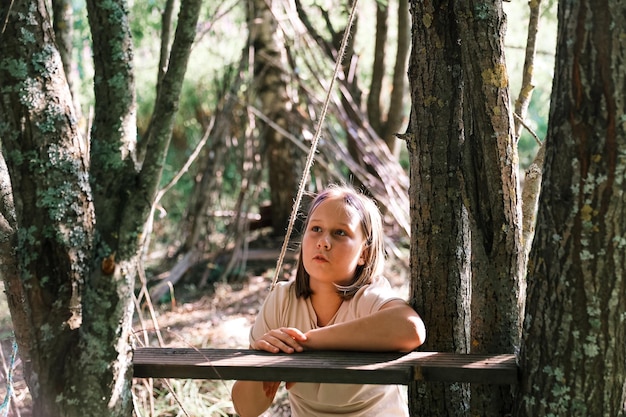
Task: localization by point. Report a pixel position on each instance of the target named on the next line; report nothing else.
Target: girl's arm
(252, 398)
(395, 327)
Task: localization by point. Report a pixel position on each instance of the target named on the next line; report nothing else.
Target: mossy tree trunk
(574, 339)
(72, 210)
(50, 215)
(465, 211)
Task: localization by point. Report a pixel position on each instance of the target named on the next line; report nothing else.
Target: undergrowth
(182, 398)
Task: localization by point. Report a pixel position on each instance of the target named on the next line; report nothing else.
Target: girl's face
(333, 244)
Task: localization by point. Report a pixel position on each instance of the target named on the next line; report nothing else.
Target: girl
(338, 301)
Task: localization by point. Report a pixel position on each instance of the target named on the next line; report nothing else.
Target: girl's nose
(323, 242)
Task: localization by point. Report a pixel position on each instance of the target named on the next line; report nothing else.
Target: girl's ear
(363, 256)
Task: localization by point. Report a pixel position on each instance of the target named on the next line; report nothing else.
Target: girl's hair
(372, 225)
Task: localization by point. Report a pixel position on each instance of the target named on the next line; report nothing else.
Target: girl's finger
(283, 341)
(294, 333)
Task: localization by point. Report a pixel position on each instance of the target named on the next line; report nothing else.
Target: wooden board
(324, 366)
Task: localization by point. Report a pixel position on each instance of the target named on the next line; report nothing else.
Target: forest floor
(219, 315)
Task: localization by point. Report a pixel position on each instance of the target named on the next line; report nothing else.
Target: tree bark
(466, 233)
(69, 277)
(490, 174)
(440, 230)
(573, 355)
(51, 205)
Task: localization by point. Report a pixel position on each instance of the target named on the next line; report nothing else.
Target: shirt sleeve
(272, 312)
(372, 297)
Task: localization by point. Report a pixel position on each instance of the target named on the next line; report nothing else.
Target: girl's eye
(341, 232)
(315, 228)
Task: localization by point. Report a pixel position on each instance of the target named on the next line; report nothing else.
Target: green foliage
(222, 36)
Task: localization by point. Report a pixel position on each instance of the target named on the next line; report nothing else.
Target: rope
(313, 149)
(4, 407)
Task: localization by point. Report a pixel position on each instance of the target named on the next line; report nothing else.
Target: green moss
(591, 348)
(5, 128)
(108, 155)
(26, 36)
(56, 201)
(53, 114)
(31, 95)
(78, 237)
(45, 62)
(482, 11)
(16, 68)
(16, 156)
(46, 333)
(118, 82)
(26, 242)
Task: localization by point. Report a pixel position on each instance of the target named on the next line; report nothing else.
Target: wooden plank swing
(323, 366)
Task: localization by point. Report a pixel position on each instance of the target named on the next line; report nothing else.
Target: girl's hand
(271, 388)
(284, 339)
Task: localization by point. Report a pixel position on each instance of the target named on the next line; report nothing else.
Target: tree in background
(573, 356)
(388, 123)
(72, 211)
(271, 90)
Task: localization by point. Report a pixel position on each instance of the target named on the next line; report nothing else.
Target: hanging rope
(313, 149)
(4, 407)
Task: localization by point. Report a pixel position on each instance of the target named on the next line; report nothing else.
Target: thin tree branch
(166, 30)
(527, 87)
(532, 180)
(160, 128)
(530, 130)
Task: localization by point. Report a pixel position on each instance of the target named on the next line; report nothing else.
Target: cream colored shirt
(283, 309)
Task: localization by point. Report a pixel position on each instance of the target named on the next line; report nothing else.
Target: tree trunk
(396, 114)
(387, 124)
(271, 87)
(573, 355)
(70, 278)
(374, 112)
(440, 231)
(53, 209)
(466, 214)
(490, 174)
